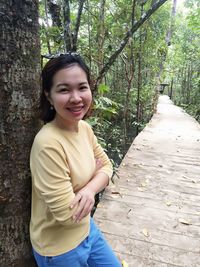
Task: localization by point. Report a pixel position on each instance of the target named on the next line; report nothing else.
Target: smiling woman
(70, 96)
(68, 168)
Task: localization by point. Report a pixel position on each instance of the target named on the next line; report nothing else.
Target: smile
(75, 109)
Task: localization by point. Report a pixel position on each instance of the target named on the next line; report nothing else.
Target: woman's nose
(75, 96)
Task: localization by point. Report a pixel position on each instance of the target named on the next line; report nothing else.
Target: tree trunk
(19, 92)
(171, 88)
(55, 11)
(101, 35)
(68, 39)
(47, 28)
(89, 35)
(77, 25)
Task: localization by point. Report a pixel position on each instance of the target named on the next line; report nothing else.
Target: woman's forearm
(98, 182)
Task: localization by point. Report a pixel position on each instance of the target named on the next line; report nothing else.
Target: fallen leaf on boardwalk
(129, 213)
(168, 203)
(115, 194)
(183, 221)
(143, 184)
(140, 189)
(100, 205)
(124, 263)
(145, 232)
(160, 165)
(190, 179)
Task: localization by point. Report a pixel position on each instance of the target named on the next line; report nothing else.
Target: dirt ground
(151, 216)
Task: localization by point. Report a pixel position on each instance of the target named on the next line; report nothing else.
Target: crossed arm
(84, 199)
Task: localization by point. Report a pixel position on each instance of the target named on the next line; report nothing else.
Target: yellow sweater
(61, 163)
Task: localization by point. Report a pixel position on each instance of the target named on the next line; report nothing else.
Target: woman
(68, 168)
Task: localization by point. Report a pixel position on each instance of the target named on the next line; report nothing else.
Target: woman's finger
(84, 212)
(76, 200)
(80, 207)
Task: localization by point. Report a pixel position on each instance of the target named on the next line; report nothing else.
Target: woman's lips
(76, 110)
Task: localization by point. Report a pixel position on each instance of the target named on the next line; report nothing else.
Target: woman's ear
(47, 94)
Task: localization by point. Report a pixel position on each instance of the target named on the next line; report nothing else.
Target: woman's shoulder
(85, 125)
(48, 135)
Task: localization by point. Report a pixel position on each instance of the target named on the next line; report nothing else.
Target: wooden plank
(151, 216)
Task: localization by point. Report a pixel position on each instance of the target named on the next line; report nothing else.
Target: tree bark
(129, 33)
(46, 29)
(101, 34)
(19, 92)
(55, 10)
(89, 34)
(78, 21)
(68, 39)
(171, 28)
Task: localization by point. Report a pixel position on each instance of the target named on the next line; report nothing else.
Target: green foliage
(115, 104)
(183, 64)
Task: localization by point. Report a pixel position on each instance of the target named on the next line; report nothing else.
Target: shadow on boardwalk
(151, 217)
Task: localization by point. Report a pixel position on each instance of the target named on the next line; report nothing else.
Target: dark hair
(55, 64)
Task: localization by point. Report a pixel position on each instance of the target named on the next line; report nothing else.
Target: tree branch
(78, 20)
(133, 29)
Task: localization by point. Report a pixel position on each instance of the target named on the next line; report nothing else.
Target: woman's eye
(83, 88)
(63, 90)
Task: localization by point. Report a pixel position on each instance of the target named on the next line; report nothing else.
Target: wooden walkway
(151, 216)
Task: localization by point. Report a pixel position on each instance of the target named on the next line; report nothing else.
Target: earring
(51, 108)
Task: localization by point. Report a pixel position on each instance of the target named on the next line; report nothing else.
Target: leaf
(183, 221)
(140, 189)
(124, 263)
(189, 179)
(100, 205)
(102, 88)
(168, 203)
(115, 194)
(145, 232)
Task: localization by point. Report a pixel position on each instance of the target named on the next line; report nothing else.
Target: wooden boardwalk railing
(151, 216)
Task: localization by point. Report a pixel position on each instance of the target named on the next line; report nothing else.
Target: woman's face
(70, 96)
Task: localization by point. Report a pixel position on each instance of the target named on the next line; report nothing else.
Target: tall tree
(19, 91)
(71, 35)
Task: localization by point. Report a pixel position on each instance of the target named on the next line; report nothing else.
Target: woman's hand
(85, 200)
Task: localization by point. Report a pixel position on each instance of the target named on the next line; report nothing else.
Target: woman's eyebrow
(66, 84)
(62, 84)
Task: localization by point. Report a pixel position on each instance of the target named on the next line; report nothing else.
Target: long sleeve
(99, 153)
(51, 177)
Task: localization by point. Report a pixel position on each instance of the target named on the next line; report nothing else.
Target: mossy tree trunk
(19, 91)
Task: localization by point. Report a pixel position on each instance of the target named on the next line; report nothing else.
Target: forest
(136, 50)
(163, 50)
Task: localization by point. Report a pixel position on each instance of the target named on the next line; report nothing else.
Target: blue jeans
(93, 251)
